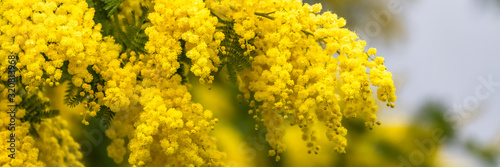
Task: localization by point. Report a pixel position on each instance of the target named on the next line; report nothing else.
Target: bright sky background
(449, 45)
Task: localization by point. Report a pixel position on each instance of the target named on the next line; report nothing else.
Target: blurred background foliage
(245, 145)
(490, 2)
(359, 12)
(399, 143)
(418, 142)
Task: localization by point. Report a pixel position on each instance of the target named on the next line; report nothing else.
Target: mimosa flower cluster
(304, 67)
(307, 68)
(51, 146)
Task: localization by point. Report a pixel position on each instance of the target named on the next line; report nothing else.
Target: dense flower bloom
(52, 146)
(190, 21)
(295, 78)
(42, 35)
(302, 67)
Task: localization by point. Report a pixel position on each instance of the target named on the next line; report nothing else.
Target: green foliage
(486, 153)
(134, 37)
(96, 79)
(36, 110)
(111, 6)
(185, 63)
(73, 97)
(431, 116)
(128, 33)
(105, 113)
(266, 15)
(234, 56)
(65, 75)
(101, 16)
(234, 59)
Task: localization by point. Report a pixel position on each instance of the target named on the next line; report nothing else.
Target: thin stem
(266, 15)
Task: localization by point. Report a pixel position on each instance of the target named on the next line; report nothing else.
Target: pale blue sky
(448, 46)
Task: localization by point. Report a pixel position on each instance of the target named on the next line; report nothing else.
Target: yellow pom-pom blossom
(190, 21)
(45, 35)
(304, 67)
(164, 127)
(26, 152)
(307, 67)
(178, 135)
(56, 144)
(53, 146)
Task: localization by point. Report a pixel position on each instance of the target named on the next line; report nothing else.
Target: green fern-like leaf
(32, 131)
(73, 97)
(105, 113)
(112, 6)
(65, 75)
(232, 76)
(101, 16)
(134, 37)
(49, 114)
(96, 79)
(36, 109)
(234, 59)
